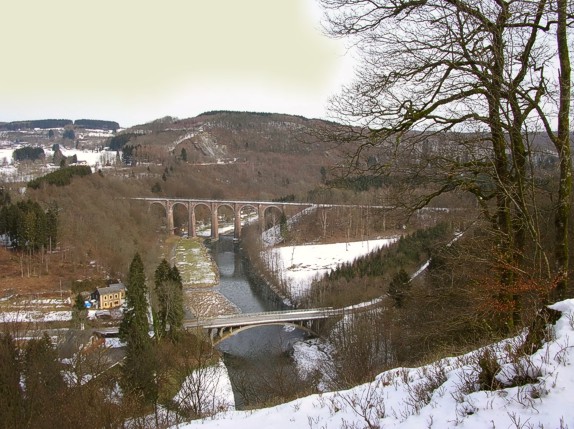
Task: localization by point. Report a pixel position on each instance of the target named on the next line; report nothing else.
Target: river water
(259, 360)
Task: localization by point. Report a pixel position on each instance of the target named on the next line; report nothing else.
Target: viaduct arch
(260, 207)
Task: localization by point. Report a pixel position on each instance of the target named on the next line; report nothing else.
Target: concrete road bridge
(221, 327)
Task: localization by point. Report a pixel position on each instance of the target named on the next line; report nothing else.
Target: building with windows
(111, 296)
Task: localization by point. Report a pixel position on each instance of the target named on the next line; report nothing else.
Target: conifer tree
(162, 274)
(169, 296)
(399, 287)
(44, 383)
(139, 365)
(176, 311)
(11, 397)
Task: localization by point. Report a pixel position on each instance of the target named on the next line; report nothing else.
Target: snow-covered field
(298, 266)
(194, 263)
(26, 316)
(95, 159)
(444, 394)
(207, 390)
(15, 309)
(92, 158)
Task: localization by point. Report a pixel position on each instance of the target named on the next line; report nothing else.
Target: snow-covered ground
(15, 309)
(298, 266)
(34, 316)
(95, 159)
(91, 157)
(444, 394)
(207, 391)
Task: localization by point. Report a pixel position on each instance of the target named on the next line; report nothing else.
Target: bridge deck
(263, 318)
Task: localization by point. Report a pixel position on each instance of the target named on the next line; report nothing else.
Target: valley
(354, 240)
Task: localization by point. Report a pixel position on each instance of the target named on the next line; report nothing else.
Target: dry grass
(59, 276)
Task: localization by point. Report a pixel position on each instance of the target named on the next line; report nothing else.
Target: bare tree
(561, 141)
(200, 393)
(449, 94)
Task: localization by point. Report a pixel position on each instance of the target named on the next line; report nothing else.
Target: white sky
(135, 61)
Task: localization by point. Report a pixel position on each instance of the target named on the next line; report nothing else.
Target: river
(259, 360)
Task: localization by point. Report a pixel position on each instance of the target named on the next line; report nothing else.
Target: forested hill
(59, 123)
(225, 134)
(229, 134)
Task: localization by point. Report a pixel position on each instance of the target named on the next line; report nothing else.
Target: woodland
(97, 222)
(463, 150)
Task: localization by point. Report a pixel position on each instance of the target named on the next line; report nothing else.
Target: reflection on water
(258, 360)
(233, 282)
(260, 364)
(262, 341)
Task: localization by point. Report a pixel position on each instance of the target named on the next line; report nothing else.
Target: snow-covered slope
(445, 394)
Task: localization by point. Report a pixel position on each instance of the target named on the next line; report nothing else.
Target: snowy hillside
(445, 394)
(298, 266)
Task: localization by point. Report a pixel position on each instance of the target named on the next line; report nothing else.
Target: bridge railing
(280, 315)
(308, 311)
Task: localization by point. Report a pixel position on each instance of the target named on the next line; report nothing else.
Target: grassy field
(200, 276)
(195, 265)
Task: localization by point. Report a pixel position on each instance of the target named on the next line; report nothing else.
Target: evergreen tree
(323, 175)
(175, 311)
(399, 286)
(156, 188)
(162, 274)
(139, 365)
(11, 396)
(69, 134)
(79, 304)
(4, 197)
(44, 383)
(169, 296)
(52, 226)
(79, 312)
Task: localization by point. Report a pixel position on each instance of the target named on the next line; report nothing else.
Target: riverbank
(200, 277)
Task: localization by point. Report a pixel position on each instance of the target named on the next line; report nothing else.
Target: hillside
(227, 135)
(525, 391)
(264, 156)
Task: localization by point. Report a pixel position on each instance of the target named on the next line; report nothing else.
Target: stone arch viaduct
(214, 205)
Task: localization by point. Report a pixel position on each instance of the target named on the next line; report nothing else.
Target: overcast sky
(135, 61)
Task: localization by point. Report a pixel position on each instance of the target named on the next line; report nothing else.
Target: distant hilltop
(59, 123)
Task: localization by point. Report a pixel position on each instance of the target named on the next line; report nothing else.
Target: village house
(111, 296)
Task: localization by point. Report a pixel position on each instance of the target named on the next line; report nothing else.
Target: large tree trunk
(562, 143)
(504, 180)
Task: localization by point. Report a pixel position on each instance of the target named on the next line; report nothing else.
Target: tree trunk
(561, 251)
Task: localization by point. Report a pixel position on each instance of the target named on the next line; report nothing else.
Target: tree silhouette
(11, 395)
(169, 295)
(399, 286)
(139, 365)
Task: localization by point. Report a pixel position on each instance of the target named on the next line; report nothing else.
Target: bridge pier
(191, 231)
(169, 203)
(237, 221)
(170, 225)
(214, 222)
(261, 217)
